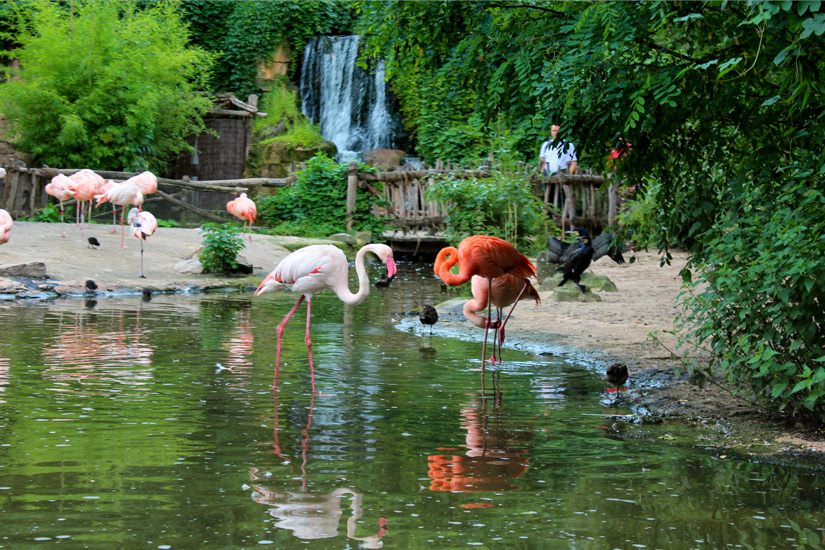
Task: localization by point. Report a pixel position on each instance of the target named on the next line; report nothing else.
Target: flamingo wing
(312, 269)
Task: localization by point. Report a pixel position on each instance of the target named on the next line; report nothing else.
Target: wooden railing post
(352, 188)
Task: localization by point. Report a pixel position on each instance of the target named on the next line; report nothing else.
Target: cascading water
(351, 105)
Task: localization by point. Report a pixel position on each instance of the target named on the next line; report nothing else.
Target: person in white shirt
(557, 155)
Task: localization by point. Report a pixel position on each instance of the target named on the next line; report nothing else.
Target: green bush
(316, 205)
(222, 242)
(759, 308)
(104, 84)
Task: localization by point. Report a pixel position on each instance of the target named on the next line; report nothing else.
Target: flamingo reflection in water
(4, 375)
(93, 354)
(309, 514)
(495, 454)
(240, 345)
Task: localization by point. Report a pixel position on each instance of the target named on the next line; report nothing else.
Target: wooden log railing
(23, 193)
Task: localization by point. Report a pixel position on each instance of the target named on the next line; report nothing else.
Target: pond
(152, 424)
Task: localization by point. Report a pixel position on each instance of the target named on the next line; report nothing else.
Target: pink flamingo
(507, 289)
(485, 256)
(106, 186)
(245, 209)
(143, 224)
(123, 195)
(147, 182)
(87, 184)
(315, 268)
(62, 188)
(5, 226)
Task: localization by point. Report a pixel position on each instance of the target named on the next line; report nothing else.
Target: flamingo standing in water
(507, 289)
(315, 268)
(245, 209)
(5, 226)
(123, 195)
(62, 188)
(142, 224)
(487, 257)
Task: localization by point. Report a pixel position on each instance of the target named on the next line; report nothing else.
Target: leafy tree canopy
(243, 33)
(103, 84)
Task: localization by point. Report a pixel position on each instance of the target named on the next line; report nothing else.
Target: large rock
(383, 158)
(33, 270)
(274, 159)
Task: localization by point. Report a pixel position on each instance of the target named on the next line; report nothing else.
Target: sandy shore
(634, 325)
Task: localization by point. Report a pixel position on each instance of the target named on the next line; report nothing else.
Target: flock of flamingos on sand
(498, 273)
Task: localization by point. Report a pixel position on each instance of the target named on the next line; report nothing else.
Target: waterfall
(351, 105)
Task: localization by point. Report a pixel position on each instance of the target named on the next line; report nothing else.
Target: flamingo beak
(263, 284)
(391, 269)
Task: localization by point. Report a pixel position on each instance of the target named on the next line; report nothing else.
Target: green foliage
(759, 305)
(168, 223)
(316, 205)
(279, 104)
(302, 133)
(245, 32)
(103, 84)
(51, 214)
(222, 242)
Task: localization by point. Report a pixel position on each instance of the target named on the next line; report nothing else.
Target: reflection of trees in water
(308, 514)
(495, 454)
(97, 351)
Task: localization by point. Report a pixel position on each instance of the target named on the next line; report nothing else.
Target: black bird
(428, 316)
(91, 286)
(147, 294)
(93, 243)
(615, 376)
(604, 245)
(578, 262)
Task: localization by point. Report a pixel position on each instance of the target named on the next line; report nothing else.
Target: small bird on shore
(91, 286)
(428, 316)
(93, 243)
(615, 376)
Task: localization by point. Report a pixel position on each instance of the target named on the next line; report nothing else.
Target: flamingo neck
(343, 291)
(470, 314)
(446, 259)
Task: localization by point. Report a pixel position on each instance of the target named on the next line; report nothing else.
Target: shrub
(104, 84)
(761, 309)
(222, 242)
(316, 205)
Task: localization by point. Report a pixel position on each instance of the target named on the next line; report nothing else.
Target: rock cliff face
(274, 159)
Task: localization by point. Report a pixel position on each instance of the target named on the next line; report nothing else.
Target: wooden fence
(580, 199)
(583, 200)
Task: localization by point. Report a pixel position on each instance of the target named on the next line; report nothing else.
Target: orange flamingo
(315, 268)
(143, 224)
(245, 209)
(147, 182)
(5, 226)
(487, 257)
(507, 289)
(61, 188)
(122, 195)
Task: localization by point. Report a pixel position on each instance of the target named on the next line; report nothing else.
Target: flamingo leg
(501, 327)
(309, 346)
(62, 229)
(122, 229)
(114, 219)
(496, 337)
(487, 326)
(142, 276)
(280, 331)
